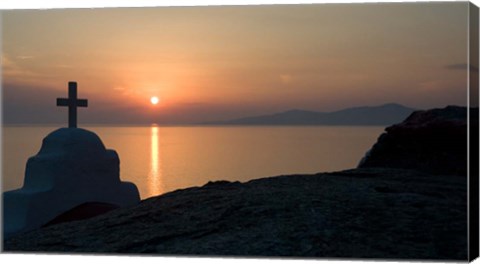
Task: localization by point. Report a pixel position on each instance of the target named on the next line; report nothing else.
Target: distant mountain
(386, 114)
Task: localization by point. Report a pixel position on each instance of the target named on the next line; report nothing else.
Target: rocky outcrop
(360, 213)
(432, 141)
(380, 210)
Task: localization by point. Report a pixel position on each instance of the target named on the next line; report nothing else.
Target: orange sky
(210, 63)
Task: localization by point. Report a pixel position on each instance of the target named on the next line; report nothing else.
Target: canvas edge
(473, 133)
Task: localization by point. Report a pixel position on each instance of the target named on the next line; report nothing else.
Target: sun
(154, 100)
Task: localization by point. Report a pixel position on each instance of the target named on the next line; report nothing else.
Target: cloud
(432, 85)
(461, 66)
(25, 57)
(11, 69)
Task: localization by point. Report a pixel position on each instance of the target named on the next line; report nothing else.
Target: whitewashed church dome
(72, 142)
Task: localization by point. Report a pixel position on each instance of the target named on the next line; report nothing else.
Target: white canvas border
(74, 259)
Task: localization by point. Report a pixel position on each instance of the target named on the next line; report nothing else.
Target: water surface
(163, 159)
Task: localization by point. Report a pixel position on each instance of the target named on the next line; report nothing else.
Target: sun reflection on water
(155, 184)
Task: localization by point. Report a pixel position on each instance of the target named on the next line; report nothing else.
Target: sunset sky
(215, 63)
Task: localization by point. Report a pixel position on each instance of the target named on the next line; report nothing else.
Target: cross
(72, 102)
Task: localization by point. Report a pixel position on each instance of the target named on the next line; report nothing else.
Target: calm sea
(163, 159)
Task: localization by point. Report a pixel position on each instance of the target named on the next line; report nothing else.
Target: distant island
(386, 114)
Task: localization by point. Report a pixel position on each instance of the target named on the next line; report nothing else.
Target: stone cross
(72, 102)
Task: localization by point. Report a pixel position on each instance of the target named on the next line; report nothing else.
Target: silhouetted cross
(72, 102)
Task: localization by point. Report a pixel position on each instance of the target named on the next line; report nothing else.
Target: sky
(218, 63)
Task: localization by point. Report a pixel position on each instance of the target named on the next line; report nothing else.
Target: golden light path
(155, 182)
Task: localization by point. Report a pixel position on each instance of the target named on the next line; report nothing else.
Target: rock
(72, 167)
(83, 211)
(360, 213)
(222, 184)
(380, 211)
(432, 141)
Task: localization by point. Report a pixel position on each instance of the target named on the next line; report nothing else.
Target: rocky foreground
(361, 213)
(407, 201)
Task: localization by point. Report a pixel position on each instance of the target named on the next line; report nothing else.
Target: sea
(161, 159)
